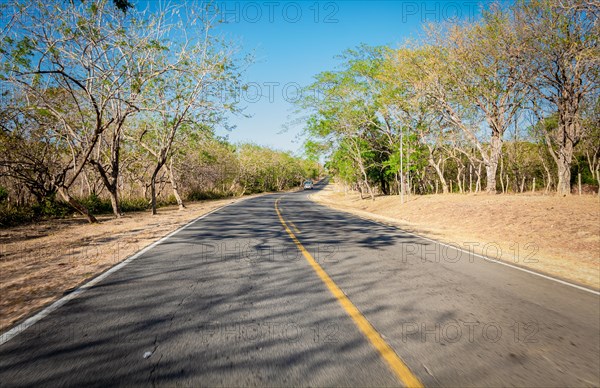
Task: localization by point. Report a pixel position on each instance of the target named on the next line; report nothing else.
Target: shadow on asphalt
(228, 300)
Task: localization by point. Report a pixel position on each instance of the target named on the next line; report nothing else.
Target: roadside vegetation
(107, 108)
(509, 103)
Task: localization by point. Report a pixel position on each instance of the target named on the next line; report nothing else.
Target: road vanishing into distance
(279, 291)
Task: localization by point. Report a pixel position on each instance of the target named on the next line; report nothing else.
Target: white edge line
(505, 263)
(582, 288)
(16, 330)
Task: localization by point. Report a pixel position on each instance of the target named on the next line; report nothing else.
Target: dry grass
(40, 262)
(565, 231)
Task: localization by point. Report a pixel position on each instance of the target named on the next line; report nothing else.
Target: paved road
(231, 301)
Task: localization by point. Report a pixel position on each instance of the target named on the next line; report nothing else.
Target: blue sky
(294, 40)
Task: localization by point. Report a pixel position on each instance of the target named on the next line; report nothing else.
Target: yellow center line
(290, 222)
(294, 227)
(387, 353)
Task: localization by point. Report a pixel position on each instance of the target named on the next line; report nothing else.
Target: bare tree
(560, 41)
(190, 95)
(86, 52)
(482, 72)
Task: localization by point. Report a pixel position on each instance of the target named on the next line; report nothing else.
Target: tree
(89, 53)
(350, 113)
(560, 43)
(30, 154)
(477, 70)
(190, 94)
(591, 143)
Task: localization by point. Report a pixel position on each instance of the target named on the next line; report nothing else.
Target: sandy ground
(559, 236)
(40, 262)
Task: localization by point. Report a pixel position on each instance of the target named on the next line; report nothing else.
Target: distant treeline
(207, 168)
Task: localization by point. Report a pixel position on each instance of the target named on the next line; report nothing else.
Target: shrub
(3, 194)
(11, 215)
(95, 204)
(170, 200)
(134, 204)
(198, 195)
(17, 215)
(52, 208)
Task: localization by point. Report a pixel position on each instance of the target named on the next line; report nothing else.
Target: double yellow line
(387, 353)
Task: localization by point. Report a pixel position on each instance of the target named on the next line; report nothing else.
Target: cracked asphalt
(230, 301)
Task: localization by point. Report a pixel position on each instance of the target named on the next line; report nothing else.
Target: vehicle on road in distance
(308, 185)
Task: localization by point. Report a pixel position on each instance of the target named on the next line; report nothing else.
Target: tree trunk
(175, 187)
(383, 186)
(440, 175)
(359, 187)
(77, 206)
(459, 179)
(568, 136)
(153, 189)
(470, 177)
(564, 171)
(365, 177)
(492, 163)
(110, 183)
(114, 200)
(478, 184)
(549, 176)
(397, 181)
(502, 175)
(593, 165)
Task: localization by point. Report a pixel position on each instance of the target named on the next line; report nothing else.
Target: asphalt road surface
(234, 300)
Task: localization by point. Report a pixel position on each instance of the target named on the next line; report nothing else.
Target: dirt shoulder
(555, 235)
(40, 262)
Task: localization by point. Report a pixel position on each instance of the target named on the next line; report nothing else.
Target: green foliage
(264, 169)
(135, 204)
(98, 205)
(23, 52)
(52, 208)
(12, 215)
(95, 204)
(3, 194)
(205, 195)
